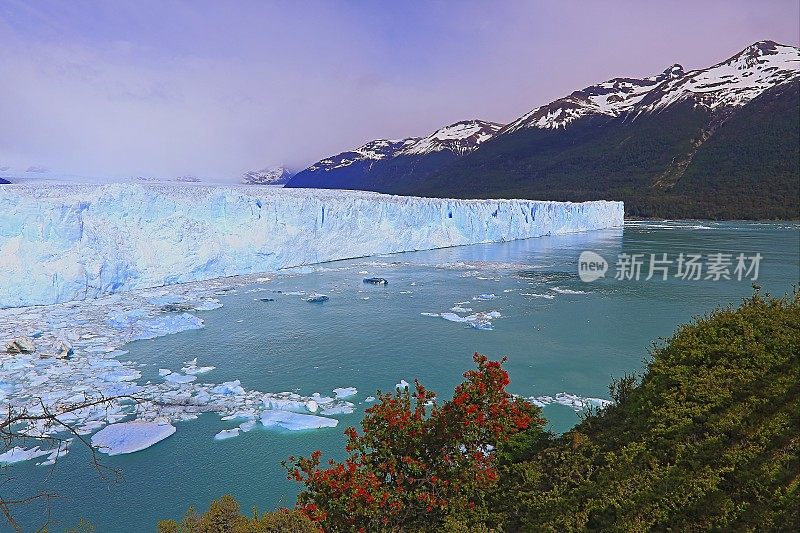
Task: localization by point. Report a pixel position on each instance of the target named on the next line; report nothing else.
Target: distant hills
(267, 176)
(721, 142)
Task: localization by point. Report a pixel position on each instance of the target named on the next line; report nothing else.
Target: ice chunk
(537, 295)
(18, 454)
(344, 408)
(562, 290)
(227, 434)
(179, 378)
(192, 368)
(247, 426)
(229, 388)
(208, 305)
(345, 392)
(577, 403)
(129, 437)
(296, 421)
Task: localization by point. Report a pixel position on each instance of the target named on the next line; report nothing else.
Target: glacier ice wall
(69, 242)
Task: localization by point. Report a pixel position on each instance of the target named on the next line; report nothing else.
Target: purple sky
(215, 88)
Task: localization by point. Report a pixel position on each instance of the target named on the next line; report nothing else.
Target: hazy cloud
(216, 88)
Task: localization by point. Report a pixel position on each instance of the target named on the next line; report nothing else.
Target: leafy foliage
(224, 516)
(418, 465)
(709, 440)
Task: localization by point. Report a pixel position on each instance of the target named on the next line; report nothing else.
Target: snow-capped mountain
(376, 150)
(732, 83)
(393, 160)
(459, 138)
(715, 142)
(610, 98)
(267, 176)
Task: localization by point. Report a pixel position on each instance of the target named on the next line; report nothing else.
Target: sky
(210, 88)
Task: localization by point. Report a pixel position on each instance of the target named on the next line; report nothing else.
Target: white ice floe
(17, 454)
(227, 434)
(345, 392)
(481, 320)
(179, 378)
(192, 368)
(247, 426)
(537, 295)
(296, 421)
(129, 437)
(340, 408)
(230, 388)
(578, 403)
(562, 290)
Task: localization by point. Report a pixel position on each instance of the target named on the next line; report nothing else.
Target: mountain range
(719, 142)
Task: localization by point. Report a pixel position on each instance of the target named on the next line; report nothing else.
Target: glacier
(68, 242)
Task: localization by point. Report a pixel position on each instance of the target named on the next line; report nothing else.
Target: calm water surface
(560, 335)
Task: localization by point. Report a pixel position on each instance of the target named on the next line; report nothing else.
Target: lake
(560, 334)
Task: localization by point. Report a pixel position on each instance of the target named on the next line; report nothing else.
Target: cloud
(172, 88)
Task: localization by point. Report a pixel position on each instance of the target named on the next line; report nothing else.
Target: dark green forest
(680, 163)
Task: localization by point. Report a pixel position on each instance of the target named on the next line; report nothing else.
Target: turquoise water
(574, 342)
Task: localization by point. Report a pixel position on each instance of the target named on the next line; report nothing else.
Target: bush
(224, 516)
(418, 465)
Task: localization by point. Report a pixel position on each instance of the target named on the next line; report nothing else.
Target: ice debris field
(78, 359)
(60, 243)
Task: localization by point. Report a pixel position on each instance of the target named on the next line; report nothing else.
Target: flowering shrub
(417, 464)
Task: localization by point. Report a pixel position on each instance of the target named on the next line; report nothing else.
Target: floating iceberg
(477, 320)
(129, 437)
(296, 421)
(68, 242)
(232, 388)
(18, 454)
(227, 434)
(577, 403)
(345, 392)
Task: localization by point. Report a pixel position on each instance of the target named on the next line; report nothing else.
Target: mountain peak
(267, 176)
(672, 72)
(460, 137)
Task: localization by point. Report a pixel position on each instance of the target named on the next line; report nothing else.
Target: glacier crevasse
(68, 242)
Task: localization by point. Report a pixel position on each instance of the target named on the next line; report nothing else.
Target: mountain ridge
(644, 141)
